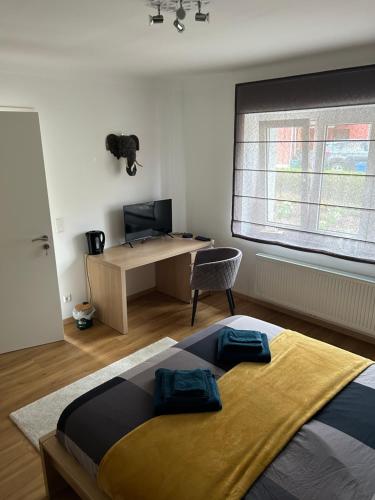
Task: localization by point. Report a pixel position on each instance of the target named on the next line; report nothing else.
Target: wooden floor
(32, 373)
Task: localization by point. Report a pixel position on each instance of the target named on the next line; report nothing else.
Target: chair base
(230, 301)
(230, 298)
(195, 302)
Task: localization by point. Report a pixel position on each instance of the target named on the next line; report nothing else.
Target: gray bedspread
(331, 457)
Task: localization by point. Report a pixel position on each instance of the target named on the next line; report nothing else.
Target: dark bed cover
(331, 457)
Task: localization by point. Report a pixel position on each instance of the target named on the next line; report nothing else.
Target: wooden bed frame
(63, 474)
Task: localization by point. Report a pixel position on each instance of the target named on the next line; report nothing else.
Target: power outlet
(67, 298)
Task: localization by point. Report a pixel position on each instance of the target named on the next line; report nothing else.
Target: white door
(30, 311)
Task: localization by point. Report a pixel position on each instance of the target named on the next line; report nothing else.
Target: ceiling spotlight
(179, 26)
(180, 12)
(199, 16)
(158, 19)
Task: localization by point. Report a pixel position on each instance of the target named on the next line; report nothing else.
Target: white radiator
(337, 297)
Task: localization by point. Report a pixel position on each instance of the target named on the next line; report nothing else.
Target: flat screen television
(147, 220)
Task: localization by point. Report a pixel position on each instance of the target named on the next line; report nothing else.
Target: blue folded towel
(190, 383)
(167, 401)
(248, 337)
(242, 339)
(232, 353)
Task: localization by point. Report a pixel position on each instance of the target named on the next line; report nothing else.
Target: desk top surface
(148, 252)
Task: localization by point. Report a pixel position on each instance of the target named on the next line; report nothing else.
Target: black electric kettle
(95, 242)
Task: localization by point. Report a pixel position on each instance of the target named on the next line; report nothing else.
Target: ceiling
(114, 34)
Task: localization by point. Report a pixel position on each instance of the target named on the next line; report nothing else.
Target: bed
(331, 456)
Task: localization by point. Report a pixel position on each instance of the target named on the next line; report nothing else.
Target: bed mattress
(332, 455)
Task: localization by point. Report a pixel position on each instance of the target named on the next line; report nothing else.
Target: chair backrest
(216, 268)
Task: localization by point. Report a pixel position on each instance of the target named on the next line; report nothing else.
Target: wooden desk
(107, 274)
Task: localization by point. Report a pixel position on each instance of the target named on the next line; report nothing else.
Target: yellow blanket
(219, 455)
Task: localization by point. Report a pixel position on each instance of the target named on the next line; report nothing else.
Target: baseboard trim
(306, 317)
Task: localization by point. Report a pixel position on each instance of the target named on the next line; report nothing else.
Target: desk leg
(173, 276)
(108, 294)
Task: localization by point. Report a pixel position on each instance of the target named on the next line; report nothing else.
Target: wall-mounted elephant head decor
(125, 146)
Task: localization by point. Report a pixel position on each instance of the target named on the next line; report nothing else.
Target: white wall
(208, 121)
(185, 126)
(86, 185)
(170, 106)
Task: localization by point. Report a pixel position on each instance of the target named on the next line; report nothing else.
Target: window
(305, 178)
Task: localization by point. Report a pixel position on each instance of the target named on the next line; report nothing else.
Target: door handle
(44, 237)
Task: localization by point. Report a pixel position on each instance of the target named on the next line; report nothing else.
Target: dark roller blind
(318, 90)
(304, 163)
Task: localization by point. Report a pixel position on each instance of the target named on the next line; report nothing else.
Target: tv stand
(107, 274)
(143, 240)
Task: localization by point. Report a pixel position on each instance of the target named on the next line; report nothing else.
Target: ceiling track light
(178, 25)
(200, 16)
(158, 19)
(180, 8)
(181, 12)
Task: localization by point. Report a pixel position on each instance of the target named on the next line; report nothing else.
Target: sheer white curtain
(306, 179)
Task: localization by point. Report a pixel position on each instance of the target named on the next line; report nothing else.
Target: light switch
(60, 225)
